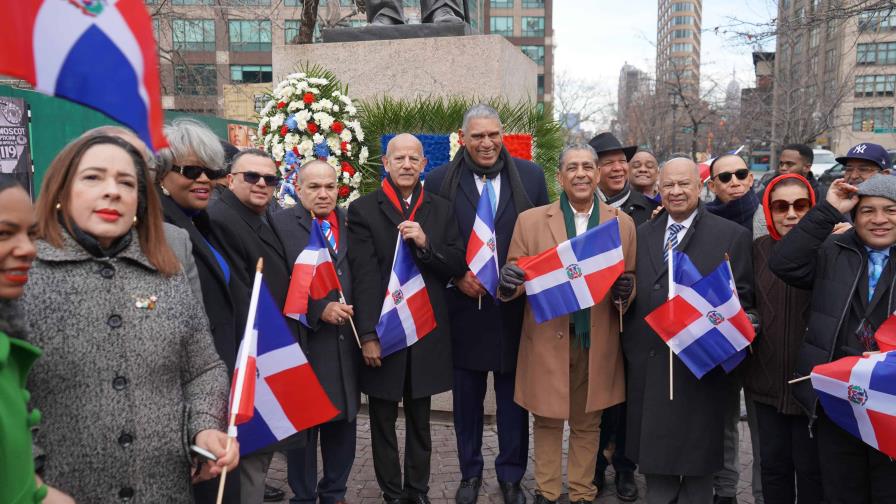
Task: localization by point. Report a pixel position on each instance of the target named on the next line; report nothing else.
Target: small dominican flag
(407, 314)
(280, 394)
(482, 257)
(575, 274)
(313, 275)
(100, 53)
(859, 395)
(885, 336)
(704, 323)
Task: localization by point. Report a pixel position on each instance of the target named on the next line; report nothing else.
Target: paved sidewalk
(363, 489)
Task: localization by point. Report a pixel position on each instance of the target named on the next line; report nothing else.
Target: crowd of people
(126, 288)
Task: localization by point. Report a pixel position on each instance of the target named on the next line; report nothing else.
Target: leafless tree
(581, 105)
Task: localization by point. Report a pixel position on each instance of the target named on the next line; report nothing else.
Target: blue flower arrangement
(436, 148)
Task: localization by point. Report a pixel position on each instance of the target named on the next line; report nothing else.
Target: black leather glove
(754, 319)
(512, 276)
(622, 287)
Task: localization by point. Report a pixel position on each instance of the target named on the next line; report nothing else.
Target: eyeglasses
(725, 177)
(252, 177)
(194, 172)
(781, 207)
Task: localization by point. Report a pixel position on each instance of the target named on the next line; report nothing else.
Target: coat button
(107, 271)
(114, 321)
(119, 383)
(126, 493)
(339, 272)
(656, 286)
(559, 334)
(341, 338)
(651, 354)
(125, 439)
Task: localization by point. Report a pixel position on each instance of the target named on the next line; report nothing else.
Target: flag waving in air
(100, 53)
(574, 275)
(278, 394)
(313, 275)
(407, 314)
(859, 395)
(704, 324)
(482, 256)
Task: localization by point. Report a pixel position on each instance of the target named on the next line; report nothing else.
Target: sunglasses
(781, 207)
(252, 177)
(726, 177)
(194, 172)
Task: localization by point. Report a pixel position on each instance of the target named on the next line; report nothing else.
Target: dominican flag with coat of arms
(574, 275)
(407, 314)
(99, 53)
(482, 256)
(859, 395)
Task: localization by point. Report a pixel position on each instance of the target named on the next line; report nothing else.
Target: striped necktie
(491, 196)
(672, 240)
(328, 233)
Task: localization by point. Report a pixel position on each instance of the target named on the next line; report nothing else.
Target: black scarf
(619, 199)
(740, 210)
(90, 244)
(459, 165)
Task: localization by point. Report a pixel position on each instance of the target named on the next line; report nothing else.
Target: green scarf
(582, 318)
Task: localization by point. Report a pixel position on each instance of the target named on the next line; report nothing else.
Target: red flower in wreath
(344, 191)
(308, 98)
(343, 146)
(264, 130)
(295, 150)
(348, 168)
(284, 130)
(281, 105)
(337, 128)
(312, 128)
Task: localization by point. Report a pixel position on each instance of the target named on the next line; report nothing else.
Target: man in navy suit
(486, 339)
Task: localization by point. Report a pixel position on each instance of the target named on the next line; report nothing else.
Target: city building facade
(678, 45)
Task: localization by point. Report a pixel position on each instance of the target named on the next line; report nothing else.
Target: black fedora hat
(606, 142)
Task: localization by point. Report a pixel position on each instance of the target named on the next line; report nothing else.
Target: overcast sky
(594, 38)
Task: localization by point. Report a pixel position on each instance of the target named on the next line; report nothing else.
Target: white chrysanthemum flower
(288, 202)
(277, 152)
(277, 121)
(334, 162)
(267, 108)
(333, 143)
(351, 109)
(346, 135)
(323, 119)
(317, 138)
(293, 106)
(306, 147)
(291, 140)
(318, 80)
(303, 116)
(362, 158)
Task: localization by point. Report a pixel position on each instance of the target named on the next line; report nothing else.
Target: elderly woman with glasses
(129, 378)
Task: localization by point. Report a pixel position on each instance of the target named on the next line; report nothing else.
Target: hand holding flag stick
(248, 335)
(350, 320)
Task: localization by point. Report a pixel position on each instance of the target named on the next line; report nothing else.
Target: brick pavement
(363, 489)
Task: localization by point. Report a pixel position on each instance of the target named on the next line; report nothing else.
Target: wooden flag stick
(797, 380)
(350, 320)
(480, 302)
(242, 364)
(619, 309)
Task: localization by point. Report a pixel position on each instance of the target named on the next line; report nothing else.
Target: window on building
(535, 52)
(533, 26)
(251, 73)
(877, 117)
(502, 25)
(501, 4)
(831, 28)
(813, 65)
(533, 4)
(539, 86)
(682, 34)
(785, 4)
(191, 2)
(242, 3)
(193, 34)
(250, 35)
(292, 3)
(683, 20)
(813, 37)
(156, 31)
(683, 47)
(799, 13)
(878, 20)
(875, 85)
(829, 60)
(797, 45)
(406, 3)
(195, 80)
(291, 29)
(882, 53)
(682, 7)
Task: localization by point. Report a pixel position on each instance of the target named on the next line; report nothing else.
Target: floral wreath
(308, 117)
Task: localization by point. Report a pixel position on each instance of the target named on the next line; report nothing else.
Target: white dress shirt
(496, 185)
(581, 219)
(686, 223)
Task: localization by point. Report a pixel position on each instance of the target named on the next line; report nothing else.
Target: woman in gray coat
(129, 377)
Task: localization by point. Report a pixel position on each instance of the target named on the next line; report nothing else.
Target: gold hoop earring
(135, 221)
(164, 191)
(58, 206)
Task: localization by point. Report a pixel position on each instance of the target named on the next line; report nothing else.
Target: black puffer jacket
(809, 257)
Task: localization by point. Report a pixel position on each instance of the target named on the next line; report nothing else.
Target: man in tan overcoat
(570, 367)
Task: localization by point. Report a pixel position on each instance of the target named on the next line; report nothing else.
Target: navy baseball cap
(869, 152)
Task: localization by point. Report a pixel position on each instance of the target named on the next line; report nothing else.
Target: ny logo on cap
(860, 149)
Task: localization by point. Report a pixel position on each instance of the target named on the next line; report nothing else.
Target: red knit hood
(768, 194)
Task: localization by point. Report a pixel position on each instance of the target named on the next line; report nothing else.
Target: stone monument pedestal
(482, 66)
(392, 32)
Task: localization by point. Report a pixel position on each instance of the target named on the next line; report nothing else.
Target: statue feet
(445, 15)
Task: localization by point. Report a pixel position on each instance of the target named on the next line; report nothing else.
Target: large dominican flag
(100, 53)
(575, 274)
(407, 314)
(313, 275)
(482, 256)
(859, 395)
(286, 396)
(704, 324)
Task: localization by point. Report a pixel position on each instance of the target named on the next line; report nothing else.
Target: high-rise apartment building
(678, 44)
(633, 83)
(207, 45)
(835, 75)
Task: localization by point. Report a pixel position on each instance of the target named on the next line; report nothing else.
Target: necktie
(328, 233)
(877, 267)
(491, 196)
(672, 240)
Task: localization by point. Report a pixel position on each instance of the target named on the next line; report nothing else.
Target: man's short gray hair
(188, 137)
(576, 147)
(479, 111)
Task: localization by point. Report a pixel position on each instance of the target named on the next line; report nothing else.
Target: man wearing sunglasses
(241, 223)
(732, 183)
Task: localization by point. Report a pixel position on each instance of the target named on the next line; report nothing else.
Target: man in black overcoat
(330, 345)
(678, 443)
(411, 375)
(241, 223)
(486, 335)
